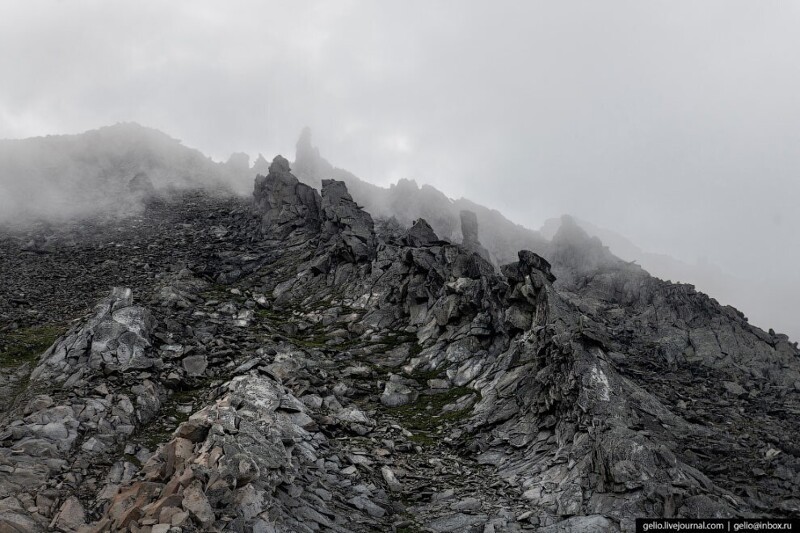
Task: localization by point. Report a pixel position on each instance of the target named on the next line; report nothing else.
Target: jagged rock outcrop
(421, 234)
(353, 376)
(286, 204)
(406, 201)
(115, 339)
(344, 220)
(579, 397)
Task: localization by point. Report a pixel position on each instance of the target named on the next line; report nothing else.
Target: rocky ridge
(406, 202)
(299, 367)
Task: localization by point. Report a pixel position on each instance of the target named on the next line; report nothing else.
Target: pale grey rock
(114, 339)
(391, 479)
(195, 365)
(71, 516)
(734, 388)
(195, 501)
(467, 504)
(397, 394)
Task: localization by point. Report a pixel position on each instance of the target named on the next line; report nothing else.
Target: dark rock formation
(406, 201)
(529, 261)
(287, 368)
(421, 234)
(344, 220)
(284, 203)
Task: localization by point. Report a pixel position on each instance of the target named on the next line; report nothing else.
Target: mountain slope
(304, 368)
(769, 301)
(59, 176)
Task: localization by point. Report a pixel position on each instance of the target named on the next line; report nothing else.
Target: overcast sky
(676, 124)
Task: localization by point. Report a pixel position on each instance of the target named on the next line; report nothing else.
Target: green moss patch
(272, 315)
(422, 376)
(425, 415)
(219, 292)
(27, 344)
(159, 430)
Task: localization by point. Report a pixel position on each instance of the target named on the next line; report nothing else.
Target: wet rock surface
(289, 365)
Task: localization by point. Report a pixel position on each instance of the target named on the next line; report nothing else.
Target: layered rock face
(341, 375)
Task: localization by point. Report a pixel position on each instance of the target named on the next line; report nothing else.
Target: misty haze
(411, 267)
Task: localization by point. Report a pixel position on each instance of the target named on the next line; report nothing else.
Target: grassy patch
(422, 376)
(272, 315)
(397, 338)
(313, 342)
(426, 415)
(321, 342)
(132, 459)
(218, 291)
(159, 430)
(25, 345)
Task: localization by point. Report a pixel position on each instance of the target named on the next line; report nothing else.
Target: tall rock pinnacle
(469, 230)
(309, 165)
